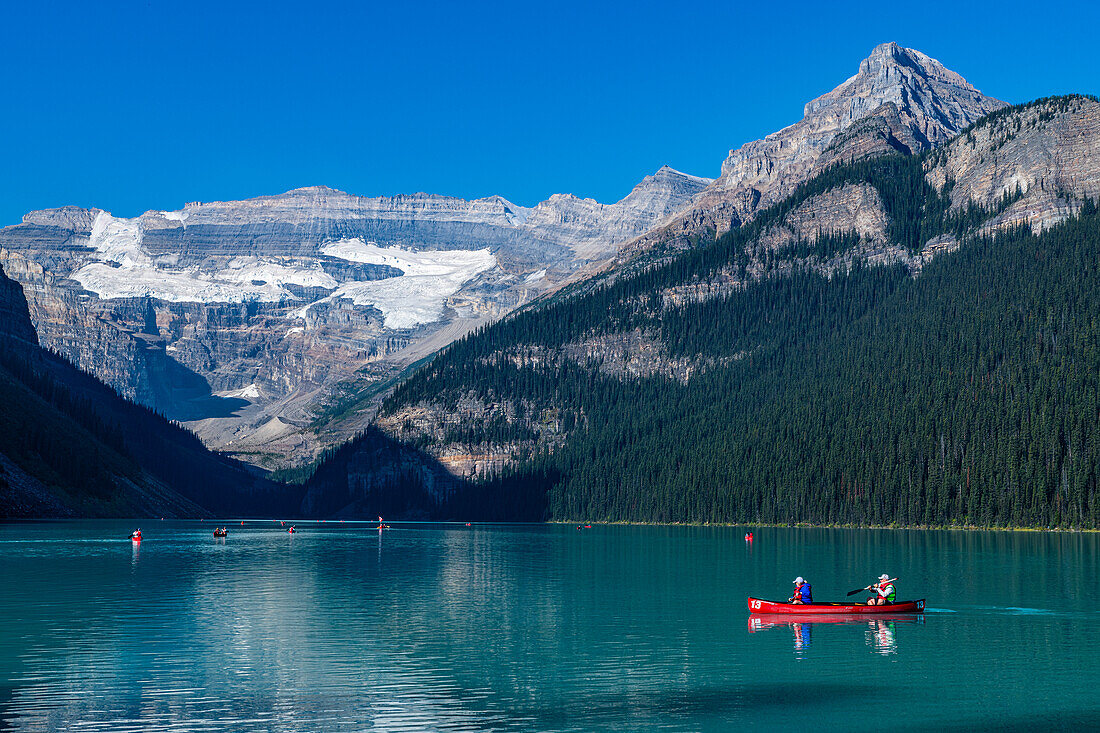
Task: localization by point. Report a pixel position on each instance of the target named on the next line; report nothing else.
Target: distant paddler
(136, 535)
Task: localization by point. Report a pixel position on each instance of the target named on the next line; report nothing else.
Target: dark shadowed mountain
(71, 446)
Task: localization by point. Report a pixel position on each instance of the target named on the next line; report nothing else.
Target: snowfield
(108, 282)
(122, 268)
(420, 294)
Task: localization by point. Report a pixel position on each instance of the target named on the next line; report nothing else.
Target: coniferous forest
(969, 395)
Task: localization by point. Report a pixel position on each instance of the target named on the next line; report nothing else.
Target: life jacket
(889, 596)
(806, 592)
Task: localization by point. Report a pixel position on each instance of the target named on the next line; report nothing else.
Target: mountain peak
(666, 175)
(667, 172)
(927, 104)
(886, 59)
(891, 53)
(937, 101)
(667, 182)
(933, 104)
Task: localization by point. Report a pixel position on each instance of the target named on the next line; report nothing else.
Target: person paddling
(135, 535)
(884, 590)
(803, 593)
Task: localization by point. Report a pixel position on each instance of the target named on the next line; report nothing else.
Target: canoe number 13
(754, 604)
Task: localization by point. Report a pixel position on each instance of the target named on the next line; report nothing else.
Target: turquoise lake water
(543, 628)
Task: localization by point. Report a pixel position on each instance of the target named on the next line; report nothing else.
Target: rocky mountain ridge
(240, 318)
(271, 326)
(1031, 165)
(915, 104)
(1047, 152)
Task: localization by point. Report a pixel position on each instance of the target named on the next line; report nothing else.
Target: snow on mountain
(300, 293)
(416, 298)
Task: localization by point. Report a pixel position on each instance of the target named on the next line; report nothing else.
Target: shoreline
(575, 522)
(807, 525)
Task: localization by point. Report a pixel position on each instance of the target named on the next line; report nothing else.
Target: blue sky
(130, 107)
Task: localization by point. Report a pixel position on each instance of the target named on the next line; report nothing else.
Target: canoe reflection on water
(880, 632)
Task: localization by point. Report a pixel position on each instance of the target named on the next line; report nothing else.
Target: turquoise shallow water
(547, 628)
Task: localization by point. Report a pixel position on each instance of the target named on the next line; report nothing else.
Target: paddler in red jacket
(803, 594)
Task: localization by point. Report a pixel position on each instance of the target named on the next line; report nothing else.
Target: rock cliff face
(906, 102)
(1049, 150)
(15, 322)
(241, 318)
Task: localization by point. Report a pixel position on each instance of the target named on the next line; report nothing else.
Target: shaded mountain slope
(70, 446)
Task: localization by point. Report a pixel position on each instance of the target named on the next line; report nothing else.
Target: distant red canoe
(757, 605)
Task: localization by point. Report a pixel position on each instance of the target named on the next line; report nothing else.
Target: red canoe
(757, 605)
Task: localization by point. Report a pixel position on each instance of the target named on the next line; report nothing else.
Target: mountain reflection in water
(434, 626)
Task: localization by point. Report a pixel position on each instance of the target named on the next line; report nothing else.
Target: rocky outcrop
(852, 207)
(880, 133)
(70, 446)
(1047, 150)
(102, 343)
(916, 103)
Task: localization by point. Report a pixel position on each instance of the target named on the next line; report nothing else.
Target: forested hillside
(917, 362)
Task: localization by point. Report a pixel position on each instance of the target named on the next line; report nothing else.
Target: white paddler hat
(798, 580)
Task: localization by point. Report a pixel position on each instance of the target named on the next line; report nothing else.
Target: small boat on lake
(758, 605)
(221, 533)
